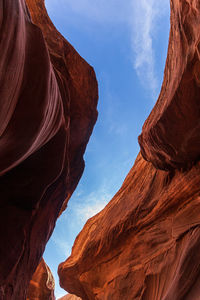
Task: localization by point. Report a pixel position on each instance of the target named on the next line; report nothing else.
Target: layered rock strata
(145, 243)
(48, 98)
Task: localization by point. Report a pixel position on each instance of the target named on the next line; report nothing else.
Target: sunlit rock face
(170, 137)
(70, 297)
(42, 284)
(145, 243)
(48, 97)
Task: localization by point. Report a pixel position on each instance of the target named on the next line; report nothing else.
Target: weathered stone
(48, 98)
(171, 135)
(144, 244)
(42, 284)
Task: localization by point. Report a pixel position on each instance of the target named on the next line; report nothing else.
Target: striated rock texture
(42, 284)
(144, 245)
(48, 98)
(171, 135)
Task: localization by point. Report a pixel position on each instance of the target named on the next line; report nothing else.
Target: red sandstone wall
(42, 284)
(48, 98)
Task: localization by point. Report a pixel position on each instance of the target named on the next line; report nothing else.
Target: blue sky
(126, 43)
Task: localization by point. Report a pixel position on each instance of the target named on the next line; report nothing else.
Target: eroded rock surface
(48, 98)
(145, 243)
(42, 284)
(171, 135)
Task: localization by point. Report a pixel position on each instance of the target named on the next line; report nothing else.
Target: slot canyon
(145, 243)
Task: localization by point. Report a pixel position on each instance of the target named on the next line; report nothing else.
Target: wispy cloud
(145, 14)
(61, 244)
(95, 10)
(82, 207)
(90, 205)
(140, 16)
(117, 129)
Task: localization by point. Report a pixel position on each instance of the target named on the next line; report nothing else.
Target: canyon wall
(48, 97)
(42, 284)
(170, 137)
(145, 243)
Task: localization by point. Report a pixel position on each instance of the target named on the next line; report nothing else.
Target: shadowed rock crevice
(48, 96)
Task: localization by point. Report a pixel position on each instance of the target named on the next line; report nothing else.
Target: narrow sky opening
(126, 43)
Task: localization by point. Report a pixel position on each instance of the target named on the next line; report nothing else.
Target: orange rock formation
(42, 284)
(170, 137)
(48, 97)
(145, 244)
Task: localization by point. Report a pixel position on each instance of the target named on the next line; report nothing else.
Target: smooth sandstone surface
(144, 245)
(48, 98)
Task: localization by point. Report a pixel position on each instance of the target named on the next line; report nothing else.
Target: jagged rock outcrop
(145, 243)
(48, 98)
(42, 284)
